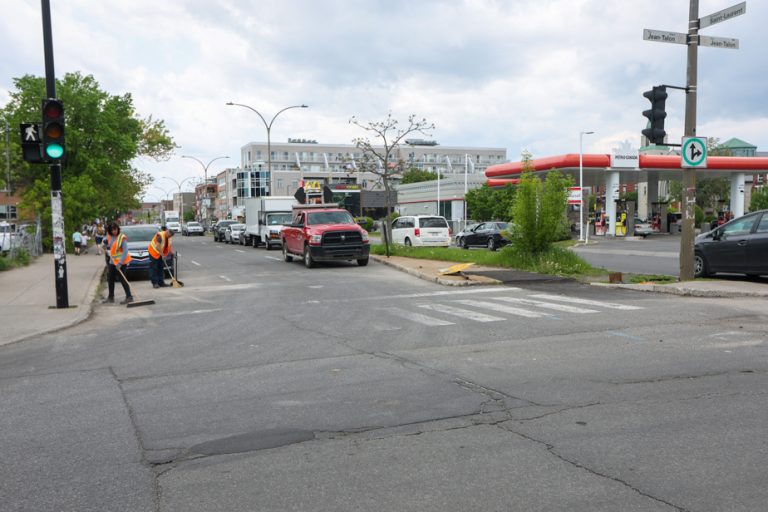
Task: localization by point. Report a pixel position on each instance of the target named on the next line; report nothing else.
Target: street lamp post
(205, 174)
(581, 185)
(181, 197)
(268, 126)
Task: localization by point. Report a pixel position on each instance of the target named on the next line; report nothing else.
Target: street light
(581, 185)
(181, 197)
(205, 173)
(268, 126)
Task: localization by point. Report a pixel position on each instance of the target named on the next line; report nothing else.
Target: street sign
(574, 195)
(694, 152)
(661, 36)
(728, 43)
(724, 15)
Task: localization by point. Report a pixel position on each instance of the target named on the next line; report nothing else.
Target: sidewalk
(28, 296)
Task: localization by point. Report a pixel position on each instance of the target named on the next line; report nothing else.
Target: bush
(365, 222)
(540, 211)
(698, 215)
(759, 199)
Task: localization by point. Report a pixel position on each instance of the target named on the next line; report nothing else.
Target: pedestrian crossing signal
(53, 130)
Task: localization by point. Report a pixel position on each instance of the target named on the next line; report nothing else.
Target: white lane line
(272, 258)
(183, 313)
(239, 250)
(575, 300)
(547, 305)
(469, 290)
(226, 279)
(416, 317)
(501, 308)
(195, 263)
(462, 313)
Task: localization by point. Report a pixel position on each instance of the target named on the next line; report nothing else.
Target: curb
(433, 279)
(684, 292)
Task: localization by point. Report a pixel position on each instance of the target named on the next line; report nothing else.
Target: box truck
(265, 218)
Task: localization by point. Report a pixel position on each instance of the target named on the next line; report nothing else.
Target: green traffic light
(54, 150)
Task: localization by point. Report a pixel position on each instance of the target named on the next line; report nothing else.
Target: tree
(414, 175)
(759, 199)
(103, 134)
(486, 203)
(379, 159)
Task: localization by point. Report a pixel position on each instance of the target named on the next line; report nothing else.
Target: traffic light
(656, 114)
(53, 130)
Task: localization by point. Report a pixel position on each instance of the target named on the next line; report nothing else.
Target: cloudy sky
(515, 74)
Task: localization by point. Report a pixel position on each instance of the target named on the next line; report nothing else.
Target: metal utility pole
(57, 217)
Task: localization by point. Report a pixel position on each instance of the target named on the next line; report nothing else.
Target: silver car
(232, 233)
(192, 228)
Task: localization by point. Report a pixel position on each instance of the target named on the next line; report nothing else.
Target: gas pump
(621, 224)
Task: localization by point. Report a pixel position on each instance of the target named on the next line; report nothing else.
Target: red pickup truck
(324, 233)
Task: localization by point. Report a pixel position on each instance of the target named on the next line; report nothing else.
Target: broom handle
(126, 280)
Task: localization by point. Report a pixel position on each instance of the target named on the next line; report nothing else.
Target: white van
(421, 230)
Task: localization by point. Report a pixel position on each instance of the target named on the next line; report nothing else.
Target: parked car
(487, 234)
(232, 233)
(421, 230)
(461, 234)
(139, 236)
(643, 228)
(219, 227)
(739, 246)
(174, 226)
(192, 228)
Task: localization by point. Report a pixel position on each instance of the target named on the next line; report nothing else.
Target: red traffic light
(53, 109)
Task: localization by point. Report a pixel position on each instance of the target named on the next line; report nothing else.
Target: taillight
(450, 232)
(417, 232)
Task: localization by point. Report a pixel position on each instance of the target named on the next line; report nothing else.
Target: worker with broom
(159, 249)
(119, 258)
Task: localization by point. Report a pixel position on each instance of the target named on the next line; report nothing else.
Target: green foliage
(711, 192)
(759, 199)
(365, 222)
(103, 135)
(629, 196)
(698, 215)
(653, 278)
(553, 261)
(540, 211)
(486, 203)
(417, 176)
(20, 260)
(189, 215)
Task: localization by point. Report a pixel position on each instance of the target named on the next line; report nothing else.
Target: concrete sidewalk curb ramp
(431, 274)
(713, 290)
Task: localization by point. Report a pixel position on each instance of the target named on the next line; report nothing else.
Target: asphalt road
(262, 385)
(656, 254)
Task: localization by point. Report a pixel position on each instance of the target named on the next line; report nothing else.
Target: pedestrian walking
(159, 249)
(118, 261)
(77, 241)
(98, 235)
(84, 243)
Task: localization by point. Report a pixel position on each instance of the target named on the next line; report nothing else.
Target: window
(433, 222)
(738, 227)
(763, 226)
(7, 212)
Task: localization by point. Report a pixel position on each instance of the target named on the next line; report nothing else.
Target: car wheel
(287, 257)
(362, 262)
(255, 242)
(268, 246)
(491, 244)
(700, 266)
(407, 242)
(308, 261)
(464, 243)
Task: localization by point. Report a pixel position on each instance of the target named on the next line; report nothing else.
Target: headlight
(365, 236)
(315, 239)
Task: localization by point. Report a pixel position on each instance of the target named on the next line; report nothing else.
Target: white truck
(171, 220)
(265, 218)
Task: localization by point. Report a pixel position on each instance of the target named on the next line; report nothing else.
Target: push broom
(136, 303)
(174, 282)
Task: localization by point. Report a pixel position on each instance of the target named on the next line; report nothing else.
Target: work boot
(155, 285)
(108, 300)
(161, 285)
(127, 300)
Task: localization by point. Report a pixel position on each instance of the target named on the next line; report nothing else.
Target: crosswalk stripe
(417, 317)
(463, 313)
(546, 305)
(575, 300)
(501, 308)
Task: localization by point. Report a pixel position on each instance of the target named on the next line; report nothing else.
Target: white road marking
(417, 317)
(226, 279)
(426, 294)
(462, 313)
(575, 300)
(195, 263)
(183, 313)
(546, 305)
(315, 286)
(273, 258)
(224, 287)
(239, 250)
(501, 308)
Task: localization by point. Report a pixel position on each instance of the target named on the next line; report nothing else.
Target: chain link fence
(23, 238)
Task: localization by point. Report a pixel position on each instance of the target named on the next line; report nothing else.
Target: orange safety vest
(116, 250)
(163, 246)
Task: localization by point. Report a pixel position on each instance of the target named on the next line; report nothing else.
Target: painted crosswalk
(448, 309)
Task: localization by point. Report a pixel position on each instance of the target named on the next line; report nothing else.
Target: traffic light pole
(57, 217)
(689, 173)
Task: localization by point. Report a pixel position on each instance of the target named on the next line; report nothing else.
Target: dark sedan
(737, 247)
(487, 234)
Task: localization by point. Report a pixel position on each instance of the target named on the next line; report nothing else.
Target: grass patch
(557, 260)
(21, 260)
(637, 279)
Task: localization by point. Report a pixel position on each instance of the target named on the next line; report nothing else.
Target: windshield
(139, 233)
(316, 218)
(433, 222)
(193, 224)
(237, 227)
(278, 219)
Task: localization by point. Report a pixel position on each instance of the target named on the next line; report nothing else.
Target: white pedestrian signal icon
(30, 134)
